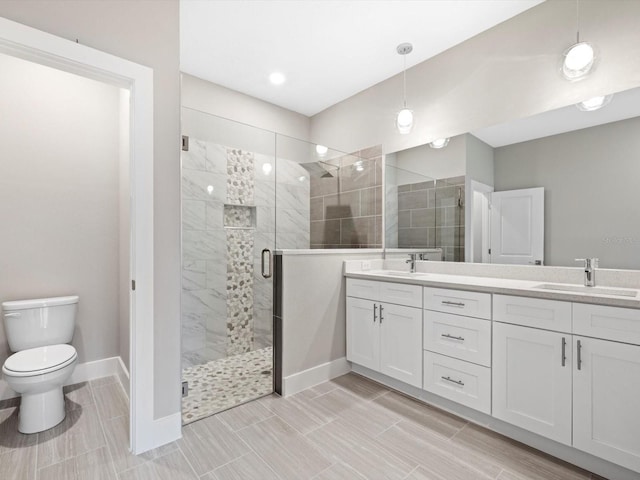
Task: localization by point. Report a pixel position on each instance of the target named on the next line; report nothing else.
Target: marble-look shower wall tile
(195, 157)
(240, 177)
(216, 158)
(264, 173)
(265, 194)
(192, 280)
(291, 220)
(291, 173)
(240, 246)
(266, 219)
(214, 215)
(202, 244)
(201, 185)
(193, 215)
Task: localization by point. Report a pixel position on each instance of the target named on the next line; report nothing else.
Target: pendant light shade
(404, 118)
(439, 143)
(404, 121)
(579, 58)
(578, 61)
(595, 103)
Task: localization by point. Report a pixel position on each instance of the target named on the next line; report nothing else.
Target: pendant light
(439, 143)
(580, 57)
(404, 119)
(594, 103)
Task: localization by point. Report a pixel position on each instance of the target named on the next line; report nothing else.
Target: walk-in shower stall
(245, 193)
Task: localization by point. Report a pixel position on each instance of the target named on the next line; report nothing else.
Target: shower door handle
(269, 272)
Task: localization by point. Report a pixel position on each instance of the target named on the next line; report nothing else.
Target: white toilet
(38, 331)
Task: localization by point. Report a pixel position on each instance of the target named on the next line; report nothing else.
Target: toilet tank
(39, 322)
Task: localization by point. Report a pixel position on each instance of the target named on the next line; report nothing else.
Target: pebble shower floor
(221, 384)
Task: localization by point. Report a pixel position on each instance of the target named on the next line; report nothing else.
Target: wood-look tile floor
(349, 428)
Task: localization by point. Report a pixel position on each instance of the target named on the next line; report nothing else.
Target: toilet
(39, 332)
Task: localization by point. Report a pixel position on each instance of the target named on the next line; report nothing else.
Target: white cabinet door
(363, 333)
(401, 343)
(517, 226)
(531, 386)
(606, 389)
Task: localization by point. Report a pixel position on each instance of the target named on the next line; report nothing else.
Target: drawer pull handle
(579, 355)
(564, 351)
(375, 311)
(381, 317)
(452, 304)
(446, 335)
(457, 382)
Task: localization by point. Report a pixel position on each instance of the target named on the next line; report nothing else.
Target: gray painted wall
(590, 178)
(146, 32)
(59, 197)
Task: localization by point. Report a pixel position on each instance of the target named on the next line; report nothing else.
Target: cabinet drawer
(610, 323)
(460, 337)
(460, 381)
(470, 304)
(401, 294)
(532, 312)
(368, 289)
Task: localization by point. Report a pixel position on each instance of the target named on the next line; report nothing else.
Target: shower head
(320, 169)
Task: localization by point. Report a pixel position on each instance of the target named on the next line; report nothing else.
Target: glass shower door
(228, 220)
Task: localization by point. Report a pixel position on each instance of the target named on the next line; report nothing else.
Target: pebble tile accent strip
(225, 383)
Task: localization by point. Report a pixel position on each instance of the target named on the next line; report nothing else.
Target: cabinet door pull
(446, 335)
(381, 317)
(375, 311)
(579, 355)
(452, 304)
(457, 382)
(564, 351)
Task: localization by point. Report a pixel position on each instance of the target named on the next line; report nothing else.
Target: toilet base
(41, 411)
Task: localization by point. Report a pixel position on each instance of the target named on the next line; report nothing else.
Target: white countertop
(523, 288)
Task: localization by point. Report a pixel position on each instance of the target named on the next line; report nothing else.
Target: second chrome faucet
(590, 265)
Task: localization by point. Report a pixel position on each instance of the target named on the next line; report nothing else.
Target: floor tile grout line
(104, 433)
(412, 471)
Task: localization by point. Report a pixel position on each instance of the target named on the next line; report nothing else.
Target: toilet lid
(40, 360)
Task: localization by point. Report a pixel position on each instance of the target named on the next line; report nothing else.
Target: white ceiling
(329, 50)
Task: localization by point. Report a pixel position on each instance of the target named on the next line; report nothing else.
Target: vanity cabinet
(568, 386)
(457, 357)
(384, 336)
(532, 380)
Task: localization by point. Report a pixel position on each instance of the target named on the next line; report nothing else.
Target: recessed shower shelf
(239, 217)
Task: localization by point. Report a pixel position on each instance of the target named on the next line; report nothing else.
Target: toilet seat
(39, 361)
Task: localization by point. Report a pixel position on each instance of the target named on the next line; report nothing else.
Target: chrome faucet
(412, 260)
(590, 265)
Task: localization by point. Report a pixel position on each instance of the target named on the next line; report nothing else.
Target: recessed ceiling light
(277, 78)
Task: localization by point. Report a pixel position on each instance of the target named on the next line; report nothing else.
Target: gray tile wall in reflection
(346, 202)
(431, 215)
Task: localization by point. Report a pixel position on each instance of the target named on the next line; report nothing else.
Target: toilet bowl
(42, 363)
(38, 374)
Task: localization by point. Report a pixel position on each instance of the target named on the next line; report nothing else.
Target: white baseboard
(123, 376)
(313, 376)
(83, 373)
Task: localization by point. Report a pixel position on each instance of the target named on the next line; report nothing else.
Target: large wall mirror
(544, 190)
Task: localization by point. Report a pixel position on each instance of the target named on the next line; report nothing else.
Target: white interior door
(517, 226)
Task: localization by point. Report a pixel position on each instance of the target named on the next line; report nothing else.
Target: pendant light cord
(404, 81)
(577, 21)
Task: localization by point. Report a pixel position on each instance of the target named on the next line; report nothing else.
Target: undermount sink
(589, 290)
